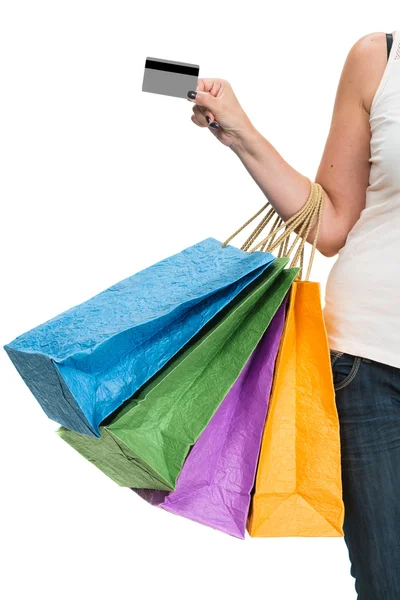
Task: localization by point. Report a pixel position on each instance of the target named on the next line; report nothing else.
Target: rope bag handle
(304, 220)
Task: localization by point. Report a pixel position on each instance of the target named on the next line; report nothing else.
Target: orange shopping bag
(298, 487)
(298, 490)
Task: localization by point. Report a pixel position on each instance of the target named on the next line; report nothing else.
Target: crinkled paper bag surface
(86, 362)
(217, 478)
(298, 489)
(145, 443)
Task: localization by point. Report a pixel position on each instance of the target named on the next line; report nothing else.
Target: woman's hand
(216, 101)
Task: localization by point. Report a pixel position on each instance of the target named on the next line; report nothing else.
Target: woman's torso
(362, 296)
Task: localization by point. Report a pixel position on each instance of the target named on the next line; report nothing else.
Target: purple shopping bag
(217, 478)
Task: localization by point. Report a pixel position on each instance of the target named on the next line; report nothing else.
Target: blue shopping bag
(86, 362)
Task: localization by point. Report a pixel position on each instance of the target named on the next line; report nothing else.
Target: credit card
(169, 78)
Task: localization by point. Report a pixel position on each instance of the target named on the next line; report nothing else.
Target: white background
(99, 180)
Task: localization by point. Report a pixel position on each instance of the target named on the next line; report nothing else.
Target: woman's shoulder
(366, 62)
(370, 42)
(369, 50)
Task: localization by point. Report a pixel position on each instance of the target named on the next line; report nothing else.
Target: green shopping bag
(145, 443)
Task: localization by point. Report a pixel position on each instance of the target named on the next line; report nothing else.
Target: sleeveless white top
(362, 294)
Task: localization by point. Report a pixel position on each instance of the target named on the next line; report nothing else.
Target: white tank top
(362, 294)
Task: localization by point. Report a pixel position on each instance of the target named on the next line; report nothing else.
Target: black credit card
(169, 78)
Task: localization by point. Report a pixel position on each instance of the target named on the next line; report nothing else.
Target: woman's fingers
(197, 122)
(201, 124)
(202, 116)
(210, 85)
(206, 99)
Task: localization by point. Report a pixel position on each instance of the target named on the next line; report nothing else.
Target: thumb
(204, 99)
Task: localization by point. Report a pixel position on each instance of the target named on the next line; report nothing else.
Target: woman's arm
(344, 169)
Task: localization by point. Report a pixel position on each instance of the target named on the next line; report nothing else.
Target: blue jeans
(368, 403)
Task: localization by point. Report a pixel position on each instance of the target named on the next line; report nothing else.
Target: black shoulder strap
(389, 42)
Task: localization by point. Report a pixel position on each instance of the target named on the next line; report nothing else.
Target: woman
(360, 175)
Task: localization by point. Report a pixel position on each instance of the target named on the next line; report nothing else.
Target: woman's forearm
(285, 188)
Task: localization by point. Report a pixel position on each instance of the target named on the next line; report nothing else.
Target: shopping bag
(86, 362)
(298, 489)
(145, 443)
(217, 478)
